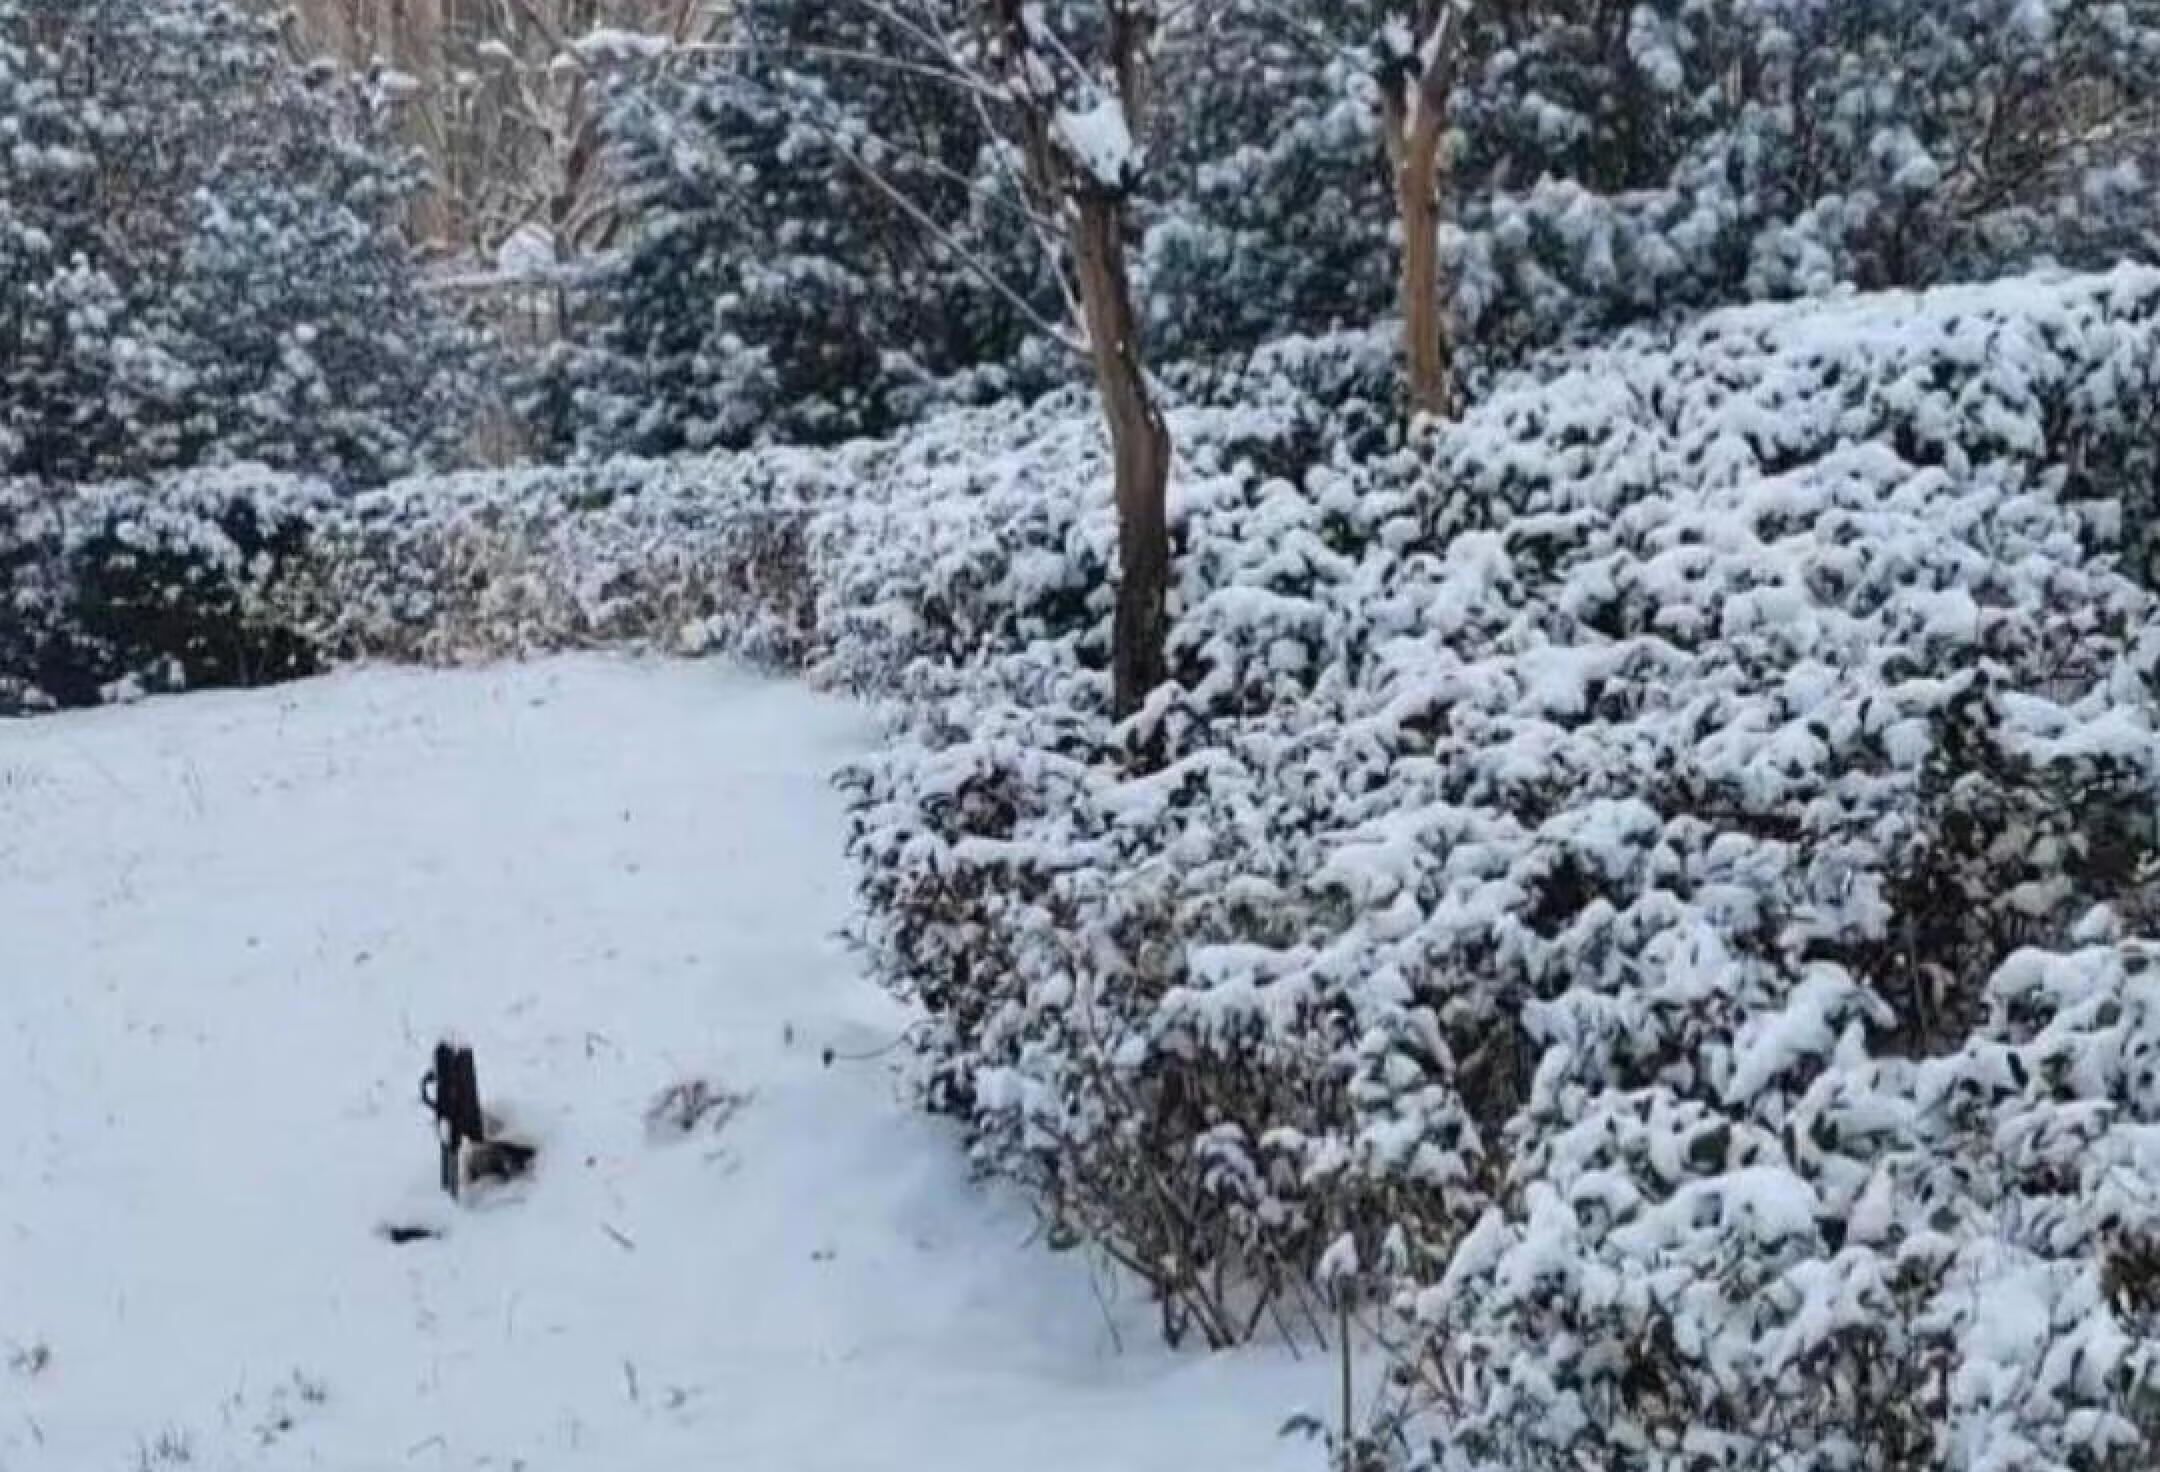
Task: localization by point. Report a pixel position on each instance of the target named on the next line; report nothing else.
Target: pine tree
(1618, 162)
(201, 260)
(1270, 215)
(777, 283)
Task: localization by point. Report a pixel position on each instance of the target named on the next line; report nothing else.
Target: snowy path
(229, 927)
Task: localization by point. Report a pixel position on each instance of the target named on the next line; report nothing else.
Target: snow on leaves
(198, 255)
(1600, 851)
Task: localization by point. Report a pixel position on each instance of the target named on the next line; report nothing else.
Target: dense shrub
(1636, 881)
(1268, 204)
(248, 576)
(130, 587)
(698, 555)
(1623, 162)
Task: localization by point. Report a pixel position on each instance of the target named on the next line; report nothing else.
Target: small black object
(498, 1160)
(451, 1089)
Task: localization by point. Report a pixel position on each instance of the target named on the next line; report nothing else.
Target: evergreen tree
(199, 258)
(1610, 163)
(774, 286)
(1619, 161)
(1271, 213)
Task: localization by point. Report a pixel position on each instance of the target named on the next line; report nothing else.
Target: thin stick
(1117, 1340)
(1342, 1327)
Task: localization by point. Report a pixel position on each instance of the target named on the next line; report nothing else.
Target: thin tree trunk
(1428, 346)
(1139, 440)
(1139, 447)
(1416, 113)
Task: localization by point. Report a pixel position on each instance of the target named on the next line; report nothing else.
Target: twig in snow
(834, 1055)
(1117, 1340)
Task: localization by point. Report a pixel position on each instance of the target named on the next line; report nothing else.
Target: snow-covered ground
(230, 928)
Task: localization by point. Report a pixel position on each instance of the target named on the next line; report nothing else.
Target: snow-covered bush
(1586, 878)
(129, 587)
(1619, 162)
(199, 255)
(246, 576)
(698, 555)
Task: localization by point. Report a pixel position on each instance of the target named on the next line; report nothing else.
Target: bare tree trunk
(1139, 447)
(1416, 111)
(1428, 345)
(1139, 440)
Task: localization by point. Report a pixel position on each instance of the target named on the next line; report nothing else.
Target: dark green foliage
(1624, 161)
(149, 586)
(199, 257)
(1269, 206)
(772, 288)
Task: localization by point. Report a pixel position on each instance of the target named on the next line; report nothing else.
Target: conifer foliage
(777, 283)
(1624, 161)
(199, 258)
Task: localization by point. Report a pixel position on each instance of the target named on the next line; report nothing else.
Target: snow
(1099, 141)
(528, 250)
(612, 43)
(395, 85)
(233, 925)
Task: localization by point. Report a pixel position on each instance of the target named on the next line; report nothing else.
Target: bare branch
(1043, 227)
(962, 80)
(1056, 332)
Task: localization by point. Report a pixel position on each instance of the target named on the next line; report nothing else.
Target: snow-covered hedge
(132, 586)
(696, 556)
(245, 576)
(728, 552)
(1649, 886)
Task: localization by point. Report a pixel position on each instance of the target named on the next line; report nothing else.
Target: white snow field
(231, 926)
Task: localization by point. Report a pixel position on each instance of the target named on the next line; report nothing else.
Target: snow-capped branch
(1096, 137)
(611, 44)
